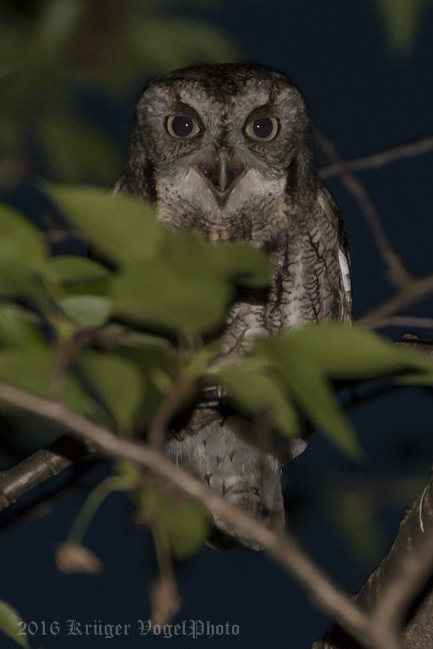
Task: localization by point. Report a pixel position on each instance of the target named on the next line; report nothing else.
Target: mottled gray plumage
(226, 151)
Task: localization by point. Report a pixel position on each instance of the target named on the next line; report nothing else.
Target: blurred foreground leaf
(234, 262)
(157, 294)
(16, 330)
(184, 523)
(11, 624)
(259, 392)
(307, 360)
(167, 279)
(22, 253)
(402, 20)
(118, 382)
(31, 370)
(350, 352)
(68, 269)
(123, 228)
(89, 311)
(52, 52)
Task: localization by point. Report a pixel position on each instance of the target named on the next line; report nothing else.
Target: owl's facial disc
(221, 176)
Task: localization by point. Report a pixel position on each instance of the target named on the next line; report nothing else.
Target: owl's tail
(235, 468)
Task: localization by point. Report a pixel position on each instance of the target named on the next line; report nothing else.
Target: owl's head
(215, 138)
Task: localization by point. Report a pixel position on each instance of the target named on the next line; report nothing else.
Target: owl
(226, 151)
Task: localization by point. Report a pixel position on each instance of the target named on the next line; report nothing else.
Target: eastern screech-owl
(226, 151)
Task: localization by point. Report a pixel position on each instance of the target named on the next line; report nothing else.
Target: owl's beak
(221, 177)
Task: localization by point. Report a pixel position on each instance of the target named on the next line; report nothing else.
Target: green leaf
(349, 352)
(255, 390)
(70, 269)
(316, 398)
(31, 370)
(21, 238)
(90, 311)
(158, 294)
(118, 382)
(122, 227)
(10, 624)
(16, 330)
(185, 525)
(294, 360)
(153, 363)
(240, 263)
(22, 253)
(309, 358)
(235, 263)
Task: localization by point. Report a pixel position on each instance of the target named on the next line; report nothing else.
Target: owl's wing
(331, 214)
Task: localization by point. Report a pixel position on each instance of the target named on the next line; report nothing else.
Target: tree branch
(405, 321)
(37, 468)
(378, 627)
(331, 599)
(425, 145)
(393, 586)
(415, 289)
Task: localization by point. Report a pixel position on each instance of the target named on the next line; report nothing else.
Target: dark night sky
(364, 99)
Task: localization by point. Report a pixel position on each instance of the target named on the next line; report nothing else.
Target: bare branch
(415, 289)
(412, 573)
(37, 468)
(331, 599)
(405, 321)
(391, 589)
(414, 149)
(396, 272)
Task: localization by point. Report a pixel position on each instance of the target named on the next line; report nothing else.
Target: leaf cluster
(55, 55)
(74, 322)
(114, 339)
(106, 336)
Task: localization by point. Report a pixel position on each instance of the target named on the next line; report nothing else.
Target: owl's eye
(182, 126)
(263, 129)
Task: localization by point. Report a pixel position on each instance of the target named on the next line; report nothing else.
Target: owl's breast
(254, 212)
(304, 288)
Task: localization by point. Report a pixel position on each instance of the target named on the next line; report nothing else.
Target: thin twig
(425, 145)
(415, 289)
(405, 321)
(282, 547)
(396, 272)
(92, 504)
(64, 352)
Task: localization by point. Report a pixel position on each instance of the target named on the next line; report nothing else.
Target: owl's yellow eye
(263, 129)
(182, 127)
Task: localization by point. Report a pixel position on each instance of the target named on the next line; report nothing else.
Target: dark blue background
(365, 99)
